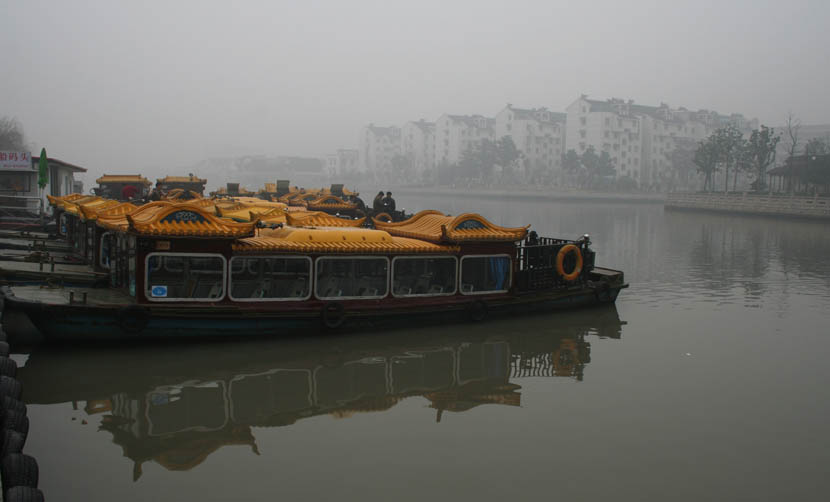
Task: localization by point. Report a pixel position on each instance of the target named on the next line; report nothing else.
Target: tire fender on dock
(19, 470)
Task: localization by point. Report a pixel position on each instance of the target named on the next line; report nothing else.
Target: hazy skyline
(154, 86)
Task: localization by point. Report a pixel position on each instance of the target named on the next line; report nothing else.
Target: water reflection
(175, 405)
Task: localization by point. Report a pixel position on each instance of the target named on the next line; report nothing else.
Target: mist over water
(706, 381)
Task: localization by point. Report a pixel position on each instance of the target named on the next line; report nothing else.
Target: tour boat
(176, 269)
(189, 183)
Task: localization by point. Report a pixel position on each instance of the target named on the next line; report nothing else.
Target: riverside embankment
(792, 206)
(531, 194)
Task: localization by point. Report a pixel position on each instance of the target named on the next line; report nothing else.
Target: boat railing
(537, 262)
(21, 207)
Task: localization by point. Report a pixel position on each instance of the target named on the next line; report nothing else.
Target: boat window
(185, 277)
(342, 278)
(106, 252)
(422, 276)
(485, 274)
(131, 264)
(270, 278)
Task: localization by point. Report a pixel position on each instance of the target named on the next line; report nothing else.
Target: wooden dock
(758, 204)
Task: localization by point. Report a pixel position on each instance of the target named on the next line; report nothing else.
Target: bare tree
(11, 135)
(759, 153)
(792, 128)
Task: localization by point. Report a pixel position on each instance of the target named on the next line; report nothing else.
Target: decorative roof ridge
(320, 199)
(451, 232)
(86, 212)
(197, 223)
(181, 179)
(412, 219)
(319, 218)
(137, 178)
(466, 216)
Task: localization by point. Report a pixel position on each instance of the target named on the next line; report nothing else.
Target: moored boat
(177, 269)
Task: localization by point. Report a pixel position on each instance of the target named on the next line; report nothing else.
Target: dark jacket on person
(377, 204)
(389, 202)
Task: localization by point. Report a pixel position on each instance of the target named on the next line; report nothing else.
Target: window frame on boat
(509, 283)
(63, 224)
(361, 257)
(104, 237)
(424, 257)
(148, 285)
(311, 270)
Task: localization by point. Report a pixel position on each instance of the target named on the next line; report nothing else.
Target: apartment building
(641, 139)
(537, 132)
(343, 161)
(455, 134)
(418, 144)
(378, 147)
(613, 126)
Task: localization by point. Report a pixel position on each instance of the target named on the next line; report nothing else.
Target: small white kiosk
(19, 192)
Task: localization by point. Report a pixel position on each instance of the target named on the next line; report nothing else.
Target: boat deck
(61, 296)
(35, 243)
(35, 256)
(17, 234)
(18, 271)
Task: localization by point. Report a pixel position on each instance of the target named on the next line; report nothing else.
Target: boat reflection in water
(176, 405)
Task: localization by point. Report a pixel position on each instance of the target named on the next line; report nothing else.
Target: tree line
(12, 137)
(727, 151)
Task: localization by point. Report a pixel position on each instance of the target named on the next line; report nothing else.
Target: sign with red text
(15, 160)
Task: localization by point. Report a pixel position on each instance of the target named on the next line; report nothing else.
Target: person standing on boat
(389, 203)
(377, 204)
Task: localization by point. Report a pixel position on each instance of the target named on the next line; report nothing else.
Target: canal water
(707, 381)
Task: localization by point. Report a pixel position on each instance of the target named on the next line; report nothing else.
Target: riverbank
(789, 206)
(535, 195)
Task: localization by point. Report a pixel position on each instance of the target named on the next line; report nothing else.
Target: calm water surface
(708, 381)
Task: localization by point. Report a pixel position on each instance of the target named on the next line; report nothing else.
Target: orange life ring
(560, 259)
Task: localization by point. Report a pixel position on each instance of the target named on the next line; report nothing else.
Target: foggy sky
(159, 85)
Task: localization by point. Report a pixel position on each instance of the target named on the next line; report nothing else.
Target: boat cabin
(189, 183)
(122, 187)
(166, 252)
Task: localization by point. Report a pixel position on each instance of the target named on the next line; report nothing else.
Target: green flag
(43, 170)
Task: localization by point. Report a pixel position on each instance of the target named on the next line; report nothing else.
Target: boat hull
(75, 322)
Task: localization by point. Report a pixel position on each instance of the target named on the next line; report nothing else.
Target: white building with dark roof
(455, 134)
(640, 139)
(537, 132)
(343, 161)
(418, 144)
(378, 147)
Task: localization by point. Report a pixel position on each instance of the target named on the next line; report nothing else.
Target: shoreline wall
(758, 204)
(538, 195)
